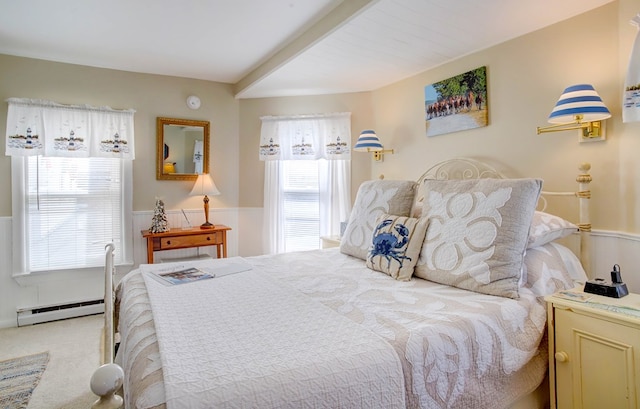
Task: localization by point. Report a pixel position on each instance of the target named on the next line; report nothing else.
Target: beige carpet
(74, 351)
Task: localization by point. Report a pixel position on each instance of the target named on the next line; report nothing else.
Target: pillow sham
(546, 228)
(478, 232)
(374, 197)
(396, 245)
(552, 267)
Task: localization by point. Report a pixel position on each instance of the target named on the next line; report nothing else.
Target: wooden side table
(184, 239)
(594, 352)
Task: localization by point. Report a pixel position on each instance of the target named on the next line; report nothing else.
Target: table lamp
(205, 186)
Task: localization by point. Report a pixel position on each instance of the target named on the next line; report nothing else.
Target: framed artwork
(457, 103)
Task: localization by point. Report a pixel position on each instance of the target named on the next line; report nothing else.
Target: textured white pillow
(396, 244)
(546, 228)
(375, 197)
(478, 232)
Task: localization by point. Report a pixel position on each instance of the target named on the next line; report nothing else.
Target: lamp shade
(580, 99)
(204, 186)
(368, 142)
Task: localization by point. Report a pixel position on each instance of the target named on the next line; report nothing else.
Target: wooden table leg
(149, 250)
(224, 244)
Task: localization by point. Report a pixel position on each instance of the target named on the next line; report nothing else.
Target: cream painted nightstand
(594, 351)
(330, 241)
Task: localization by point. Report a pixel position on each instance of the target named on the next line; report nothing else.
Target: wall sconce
(579, 107)
(205, 186)
(368, 142)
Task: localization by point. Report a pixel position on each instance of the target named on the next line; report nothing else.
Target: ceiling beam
(336, 18)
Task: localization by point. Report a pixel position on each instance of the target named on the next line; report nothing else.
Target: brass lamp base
(207, 225)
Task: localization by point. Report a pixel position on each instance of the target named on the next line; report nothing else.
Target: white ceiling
(272, 47)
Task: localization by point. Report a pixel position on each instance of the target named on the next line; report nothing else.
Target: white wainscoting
(39, 290)
(609, 248)
(245, 239)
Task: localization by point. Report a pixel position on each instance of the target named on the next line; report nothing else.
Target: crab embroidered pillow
(375, 197)
(396, 244)
(478, 232)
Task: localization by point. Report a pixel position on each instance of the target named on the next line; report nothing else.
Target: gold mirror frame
(161, 122)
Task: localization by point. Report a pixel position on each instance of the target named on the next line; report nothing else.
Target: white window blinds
(301, 205)
(72, 207)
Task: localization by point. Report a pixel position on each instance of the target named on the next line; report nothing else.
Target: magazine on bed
(181, 274)
(187, 275)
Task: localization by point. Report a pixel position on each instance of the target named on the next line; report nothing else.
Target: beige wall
(151, 96)
(525, 78)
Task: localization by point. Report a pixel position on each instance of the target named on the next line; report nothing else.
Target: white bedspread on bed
(458, 349)
(246, 340)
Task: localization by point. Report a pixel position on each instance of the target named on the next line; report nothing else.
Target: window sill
(41, 277)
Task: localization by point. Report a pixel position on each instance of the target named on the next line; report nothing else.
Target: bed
(420, 307)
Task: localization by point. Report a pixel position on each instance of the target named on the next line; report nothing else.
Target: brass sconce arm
(378, 155)
(589, 129)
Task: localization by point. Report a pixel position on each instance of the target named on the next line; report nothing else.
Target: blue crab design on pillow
(390, 245)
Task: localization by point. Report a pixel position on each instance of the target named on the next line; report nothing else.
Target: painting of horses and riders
(457, 103)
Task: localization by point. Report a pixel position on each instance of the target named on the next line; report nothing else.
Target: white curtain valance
(40, 127)
(305, 137)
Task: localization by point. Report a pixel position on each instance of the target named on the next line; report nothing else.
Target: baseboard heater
(37, 315)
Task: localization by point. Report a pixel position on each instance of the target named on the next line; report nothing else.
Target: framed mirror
(182, 148)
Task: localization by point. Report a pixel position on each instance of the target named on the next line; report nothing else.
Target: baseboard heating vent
(37, 315)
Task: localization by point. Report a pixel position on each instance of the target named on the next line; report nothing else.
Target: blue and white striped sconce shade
(368, 142)
(576, 100)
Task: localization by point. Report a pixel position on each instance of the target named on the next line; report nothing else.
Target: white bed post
(584, 195)
(108, 379)
(107, 336)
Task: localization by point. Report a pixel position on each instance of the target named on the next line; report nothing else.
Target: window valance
(305, 137)
(41, 127)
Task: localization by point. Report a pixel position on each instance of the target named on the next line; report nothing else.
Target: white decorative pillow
(375, 197)
(546, 228)
(478, 232)
(396, 245)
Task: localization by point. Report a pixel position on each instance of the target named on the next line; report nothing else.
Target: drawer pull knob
(169, 242)
(208, 238)
(562, 356)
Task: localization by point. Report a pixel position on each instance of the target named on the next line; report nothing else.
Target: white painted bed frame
(108, 379)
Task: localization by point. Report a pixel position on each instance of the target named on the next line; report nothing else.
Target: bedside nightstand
(330, 241)
(594, 351)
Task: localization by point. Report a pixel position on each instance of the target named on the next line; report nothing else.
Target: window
(67, 209)
(307, 160)
(301, 205)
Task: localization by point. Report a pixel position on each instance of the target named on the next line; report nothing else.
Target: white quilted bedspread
(457, 349)
(245, 340)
